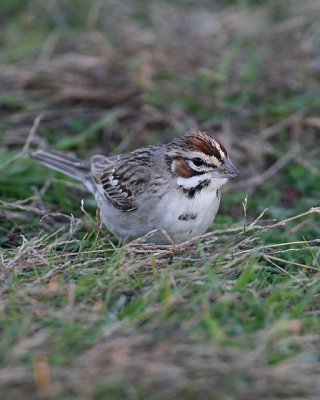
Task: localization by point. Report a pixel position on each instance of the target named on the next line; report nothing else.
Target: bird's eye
(197, 161)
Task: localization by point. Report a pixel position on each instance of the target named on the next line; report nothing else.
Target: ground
(233, 315)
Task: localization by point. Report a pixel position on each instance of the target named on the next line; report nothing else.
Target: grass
(234, 314)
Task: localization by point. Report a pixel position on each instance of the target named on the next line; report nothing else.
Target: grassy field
(234, 315)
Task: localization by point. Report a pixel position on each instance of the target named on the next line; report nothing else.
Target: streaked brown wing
(122, 177)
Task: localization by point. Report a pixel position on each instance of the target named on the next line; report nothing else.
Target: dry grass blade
(281, 125)
(269, 257)
(24, 151)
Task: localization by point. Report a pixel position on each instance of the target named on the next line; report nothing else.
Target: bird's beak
(226, 170)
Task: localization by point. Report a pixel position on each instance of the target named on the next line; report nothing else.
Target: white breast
(185, 217)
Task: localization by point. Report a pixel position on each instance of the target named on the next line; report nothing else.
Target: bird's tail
(67, 164)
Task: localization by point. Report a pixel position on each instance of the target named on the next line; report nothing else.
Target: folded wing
(122, 178)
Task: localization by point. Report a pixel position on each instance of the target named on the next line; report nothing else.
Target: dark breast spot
(187, 217)
(191, 192)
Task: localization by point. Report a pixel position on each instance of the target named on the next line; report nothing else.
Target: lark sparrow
(171, 189)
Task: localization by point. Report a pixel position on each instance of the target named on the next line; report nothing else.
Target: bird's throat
(196, 184)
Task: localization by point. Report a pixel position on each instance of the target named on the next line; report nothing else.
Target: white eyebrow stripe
(213, 159)
(218, 147)
(223, 154)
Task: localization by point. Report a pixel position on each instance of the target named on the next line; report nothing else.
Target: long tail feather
(69, 165)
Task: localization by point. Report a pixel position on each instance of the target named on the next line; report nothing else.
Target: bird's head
(199, 157)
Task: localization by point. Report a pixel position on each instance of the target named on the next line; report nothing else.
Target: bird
(167, 194)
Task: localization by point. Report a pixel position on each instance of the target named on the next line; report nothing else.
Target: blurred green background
(109, 76)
